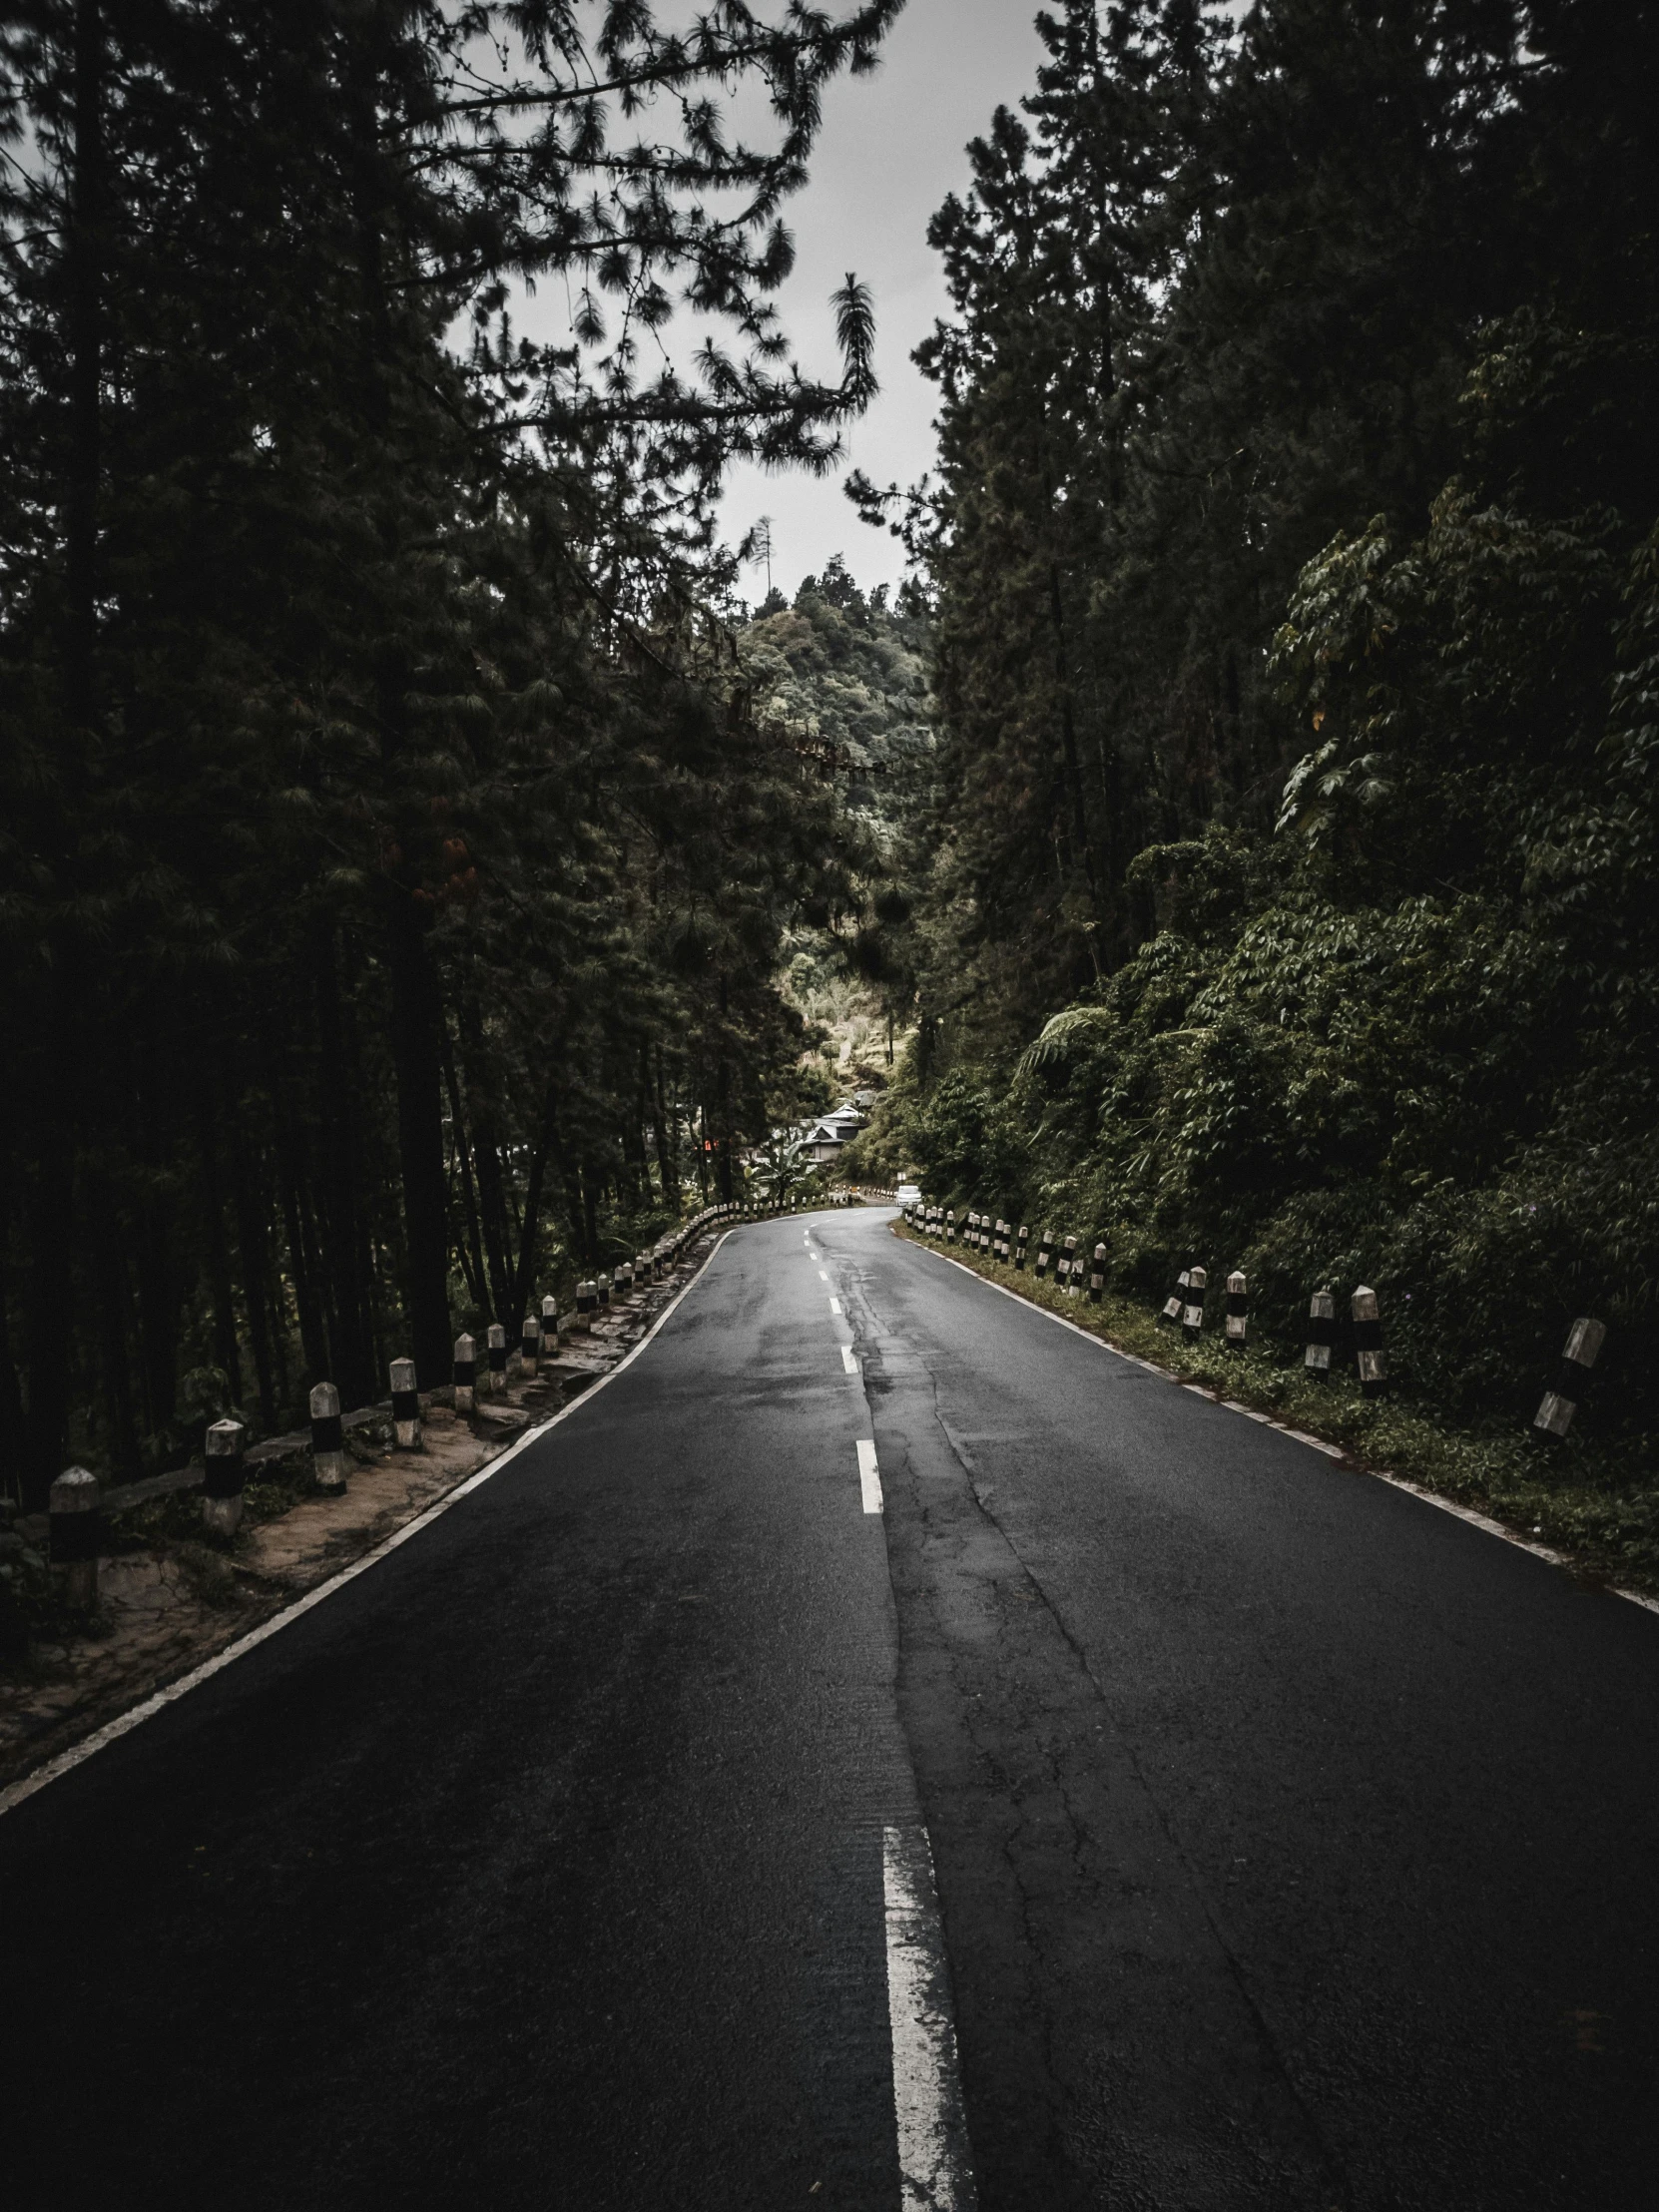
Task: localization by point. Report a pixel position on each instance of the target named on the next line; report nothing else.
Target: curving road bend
(876, 1706)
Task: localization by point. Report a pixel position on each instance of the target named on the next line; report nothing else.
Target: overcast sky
(892, 147)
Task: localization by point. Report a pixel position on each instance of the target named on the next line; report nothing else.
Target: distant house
(826, 1138)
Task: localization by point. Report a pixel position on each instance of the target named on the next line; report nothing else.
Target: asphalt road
(1295, 1841)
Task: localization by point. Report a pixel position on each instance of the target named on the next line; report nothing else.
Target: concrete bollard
(1176, 1303)
(1045, 1254)
(497, 1346)
(602, 1291)
(950, 1225)
(1584, 1342)
(1321, 1335)
(1001, 1248)
(1071, 1269)
(465, 1375)
(1367, 1342)
(1237, 1295)
(549, 1327)
(1192, 1314)
(75, 1530)
(329, 1437)
(1020, 1242)
(619, 1285)
(529, 1346)
(585, 1303)
(223, 1476)
(405, 1406)
(1097, 1275)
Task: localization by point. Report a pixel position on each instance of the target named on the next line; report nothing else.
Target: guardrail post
(1584, 1342)
(75, 1529)
(405, 1406)
(1367, 1342)
(1237, 1309)
(466, 1374)
(223, 1471)
(328, 1438)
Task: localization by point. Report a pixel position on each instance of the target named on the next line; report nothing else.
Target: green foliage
(394, 875)
(1297, 577)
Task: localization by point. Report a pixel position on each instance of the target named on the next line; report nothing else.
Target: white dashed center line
(936, 2172)
(869, 1476)
(850, 1360)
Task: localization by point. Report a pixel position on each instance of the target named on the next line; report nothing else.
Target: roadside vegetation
(394, 872)
(1284, 896)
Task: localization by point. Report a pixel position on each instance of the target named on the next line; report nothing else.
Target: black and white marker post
(328, 1435)
(950, 1225)
(1192, 1314)
(498, 1359)
(529, 1346)
(1045, 1254)
(550, 1328)
(1367, 1342)
(586, 1301)
(1321, 1335)
(466, 1373)
(1071, 1268)
(1237, 1309)
(405, 1406)
(1176, 1303)
(1584, 1342)
(222, 1477)
(1097, 1275)
(1020, 1242)
(75, 1530)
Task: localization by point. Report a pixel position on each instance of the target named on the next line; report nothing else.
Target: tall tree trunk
(253, 1247)
(492, 1205)
(302, 1270)
(469, 1196)
(226, 1356)
(416, 1018)
(668, 1161)
(344, 1256)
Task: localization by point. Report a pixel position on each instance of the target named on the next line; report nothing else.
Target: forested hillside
(392, 869)
(1292, 550)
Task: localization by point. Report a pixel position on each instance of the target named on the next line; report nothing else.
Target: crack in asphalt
(1014, 1602)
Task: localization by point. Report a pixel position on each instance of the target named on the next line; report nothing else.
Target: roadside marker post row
(1185, 1307)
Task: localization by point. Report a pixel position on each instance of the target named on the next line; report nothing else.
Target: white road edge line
(935, 2171)
(1332, 1451)
(850, 1360)
(124, 1723)
(869, 1476)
